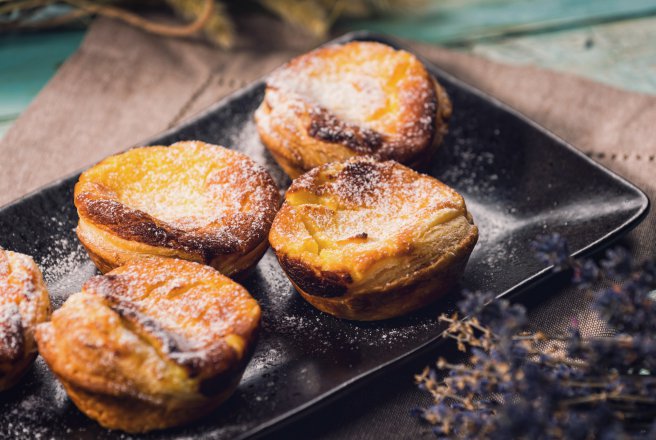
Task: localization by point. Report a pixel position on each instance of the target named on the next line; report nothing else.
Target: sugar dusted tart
(367, 240)
(156, 343)
(192, 200)
(359, 98)
(24, 303)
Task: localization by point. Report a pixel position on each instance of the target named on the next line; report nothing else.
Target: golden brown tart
(192, 200)
(24, 303)
(156, 343)
(359, 98)
(369, 240)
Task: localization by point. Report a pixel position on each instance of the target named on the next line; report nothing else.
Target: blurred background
(610, 41)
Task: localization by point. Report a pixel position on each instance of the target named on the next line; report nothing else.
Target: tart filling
(360, 228)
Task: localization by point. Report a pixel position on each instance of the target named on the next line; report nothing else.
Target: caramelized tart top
(152, 327)
(367, 96)
(192, 196)
(366, 222)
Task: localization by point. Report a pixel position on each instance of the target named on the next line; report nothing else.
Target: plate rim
(338, 391)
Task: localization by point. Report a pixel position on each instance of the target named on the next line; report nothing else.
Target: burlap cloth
(123, 86)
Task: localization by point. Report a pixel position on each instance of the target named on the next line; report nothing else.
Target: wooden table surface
(607, 40)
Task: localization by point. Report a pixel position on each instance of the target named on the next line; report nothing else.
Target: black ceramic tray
(518, 180)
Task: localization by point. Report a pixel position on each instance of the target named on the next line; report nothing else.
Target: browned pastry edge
(424, 158)
(330, 290)
(325, 284)
(244, 247)
(13, 345)
(136, 225)
(412, 147)
(103, 264)
(327, 127)
(245, 264)
(136, 416)
(239, 267)
(16, 359)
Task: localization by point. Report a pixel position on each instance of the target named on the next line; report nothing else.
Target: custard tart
(359, 98)
(24, 303)
(192, 200)
(155, 343)
(368, 240)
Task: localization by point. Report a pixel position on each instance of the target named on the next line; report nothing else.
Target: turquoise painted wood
(611, 41)
(27, 62)
(457, 22)
(622, 54)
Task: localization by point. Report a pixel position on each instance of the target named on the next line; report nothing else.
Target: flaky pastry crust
(359, 98)
(192, 200)
(155, 343)
(24, 303)
(367, 240)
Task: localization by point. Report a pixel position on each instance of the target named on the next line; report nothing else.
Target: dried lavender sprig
(581, 388)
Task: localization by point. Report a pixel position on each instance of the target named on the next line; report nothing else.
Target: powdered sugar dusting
(475, 170)
(353, 96)
(244, 136)
(190, 308)
(361, 206)
(21, 305)
(198, 191)
(66, 264)
(363, 83)
(11, 332)
(360, 98)
(38, 416)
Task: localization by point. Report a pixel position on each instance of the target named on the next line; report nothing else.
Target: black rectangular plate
(518, 180)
